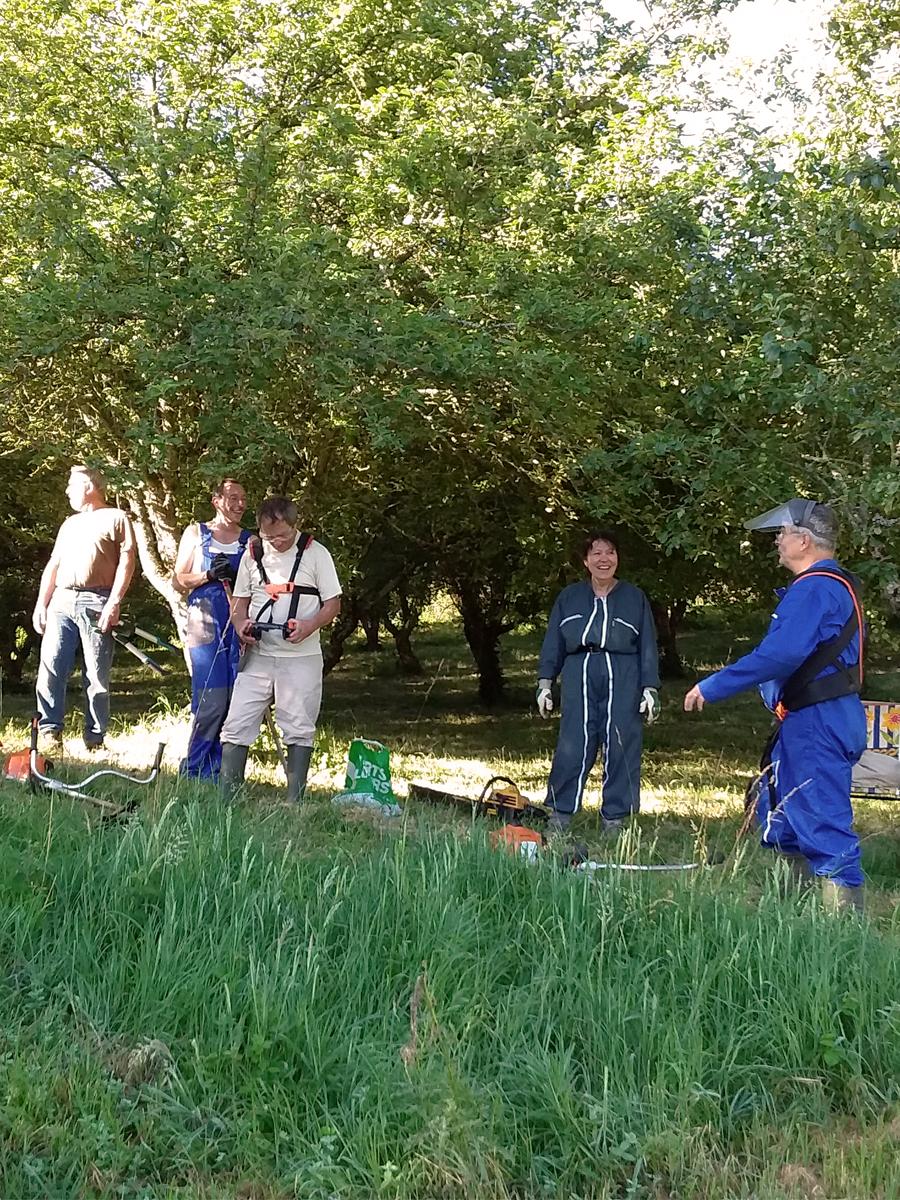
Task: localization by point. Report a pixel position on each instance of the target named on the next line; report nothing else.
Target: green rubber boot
(838, 899)
(231, 773)
(298, 760)
(798, 878)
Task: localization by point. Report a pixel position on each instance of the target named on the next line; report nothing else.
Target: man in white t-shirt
(287, 580)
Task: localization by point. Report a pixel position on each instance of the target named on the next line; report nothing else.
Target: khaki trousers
(294, 682)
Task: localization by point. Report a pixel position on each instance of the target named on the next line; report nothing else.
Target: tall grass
(261, 1003)
(193, 1004)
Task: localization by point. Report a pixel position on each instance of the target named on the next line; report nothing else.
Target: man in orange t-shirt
(90, 569)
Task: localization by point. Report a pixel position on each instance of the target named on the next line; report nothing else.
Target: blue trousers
(215, 653)
(600, 696)
(68, 629)
(812, 761)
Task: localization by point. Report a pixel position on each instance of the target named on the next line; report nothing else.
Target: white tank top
(215, 547)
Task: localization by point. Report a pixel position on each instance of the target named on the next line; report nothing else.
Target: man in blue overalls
(809, 672)
(206, 567)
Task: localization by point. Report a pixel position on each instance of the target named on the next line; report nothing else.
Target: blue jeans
(69, 626)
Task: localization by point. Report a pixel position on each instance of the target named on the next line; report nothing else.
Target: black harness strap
(803, 689)
(765, 778)
(297, 590)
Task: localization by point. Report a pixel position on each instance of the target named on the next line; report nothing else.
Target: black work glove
(221, 571)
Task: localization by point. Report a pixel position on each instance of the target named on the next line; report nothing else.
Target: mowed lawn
(262, 1002)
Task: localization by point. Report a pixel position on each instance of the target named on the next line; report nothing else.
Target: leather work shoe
(92, 747)
(51, 742)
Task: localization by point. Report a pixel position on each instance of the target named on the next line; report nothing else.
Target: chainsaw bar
(497, 804)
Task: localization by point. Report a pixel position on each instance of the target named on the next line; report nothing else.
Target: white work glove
(649, 706)
(544, 697)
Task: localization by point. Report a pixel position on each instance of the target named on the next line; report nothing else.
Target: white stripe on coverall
(584, 707)
(609, 700)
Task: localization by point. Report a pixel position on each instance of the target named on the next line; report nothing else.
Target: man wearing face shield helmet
(808, 669)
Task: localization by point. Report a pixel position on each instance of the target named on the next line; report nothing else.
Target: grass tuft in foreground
(188, 1005)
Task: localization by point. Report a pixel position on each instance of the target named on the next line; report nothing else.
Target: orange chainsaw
(504, 803)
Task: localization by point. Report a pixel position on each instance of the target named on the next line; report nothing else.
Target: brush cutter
(578, 856)
(37, 777)
(17, 765)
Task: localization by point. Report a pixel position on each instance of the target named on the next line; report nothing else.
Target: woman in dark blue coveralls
(602, 639)
(206, 566)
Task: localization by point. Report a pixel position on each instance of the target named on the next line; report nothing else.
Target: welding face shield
(796, 512)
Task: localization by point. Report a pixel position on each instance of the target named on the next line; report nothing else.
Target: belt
(602, 650)
(86, 589)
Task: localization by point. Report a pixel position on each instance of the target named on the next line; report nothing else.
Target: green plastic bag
(369, 777)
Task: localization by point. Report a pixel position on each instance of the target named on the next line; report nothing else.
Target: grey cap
(817, 519)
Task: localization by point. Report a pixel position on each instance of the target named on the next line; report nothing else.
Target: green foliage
(452, 274)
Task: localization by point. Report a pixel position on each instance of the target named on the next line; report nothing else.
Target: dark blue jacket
(620, 623)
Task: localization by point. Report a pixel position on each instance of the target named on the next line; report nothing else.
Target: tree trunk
(483, 630)
(667, 618)
(342, 628)
(156, 531)
(13, 657)
(370, 622)
(402, 634)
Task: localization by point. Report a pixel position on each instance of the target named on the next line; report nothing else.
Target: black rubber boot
(231, 773)
(298, 760)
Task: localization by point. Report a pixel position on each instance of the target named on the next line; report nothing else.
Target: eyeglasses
(280, 536)
(783, 533)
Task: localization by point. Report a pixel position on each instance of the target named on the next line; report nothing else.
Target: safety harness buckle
(274, 590)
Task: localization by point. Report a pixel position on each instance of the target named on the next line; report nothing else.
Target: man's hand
(544, 697)
(693, 701)
(301, 631)
(221, 571)
(649, 706)
(109, 616)
(39, 618)
(243, 632)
